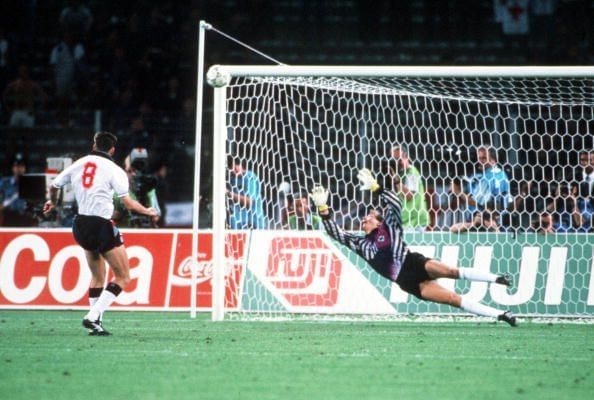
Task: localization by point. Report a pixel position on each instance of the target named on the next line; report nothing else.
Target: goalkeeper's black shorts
(412, 273)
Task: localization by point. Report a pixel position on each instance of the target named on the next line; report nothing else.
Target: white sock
(103, 302)
(479, 309)
(473, 274)
(92, 301)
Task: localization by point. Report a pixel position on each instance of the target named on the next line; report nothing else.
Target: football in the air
(217, 77)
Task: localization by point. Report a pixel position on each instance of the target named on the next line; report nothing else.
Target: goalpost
(297, 126)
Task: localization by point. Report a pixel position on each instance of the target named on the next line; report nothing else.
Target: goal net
(495, 167)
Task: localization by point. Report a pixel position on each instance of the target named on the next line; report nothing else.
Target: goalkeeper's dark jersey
(383, 248)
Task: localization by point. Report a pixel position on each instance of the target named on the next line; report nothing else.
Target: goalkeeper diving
(384, 249)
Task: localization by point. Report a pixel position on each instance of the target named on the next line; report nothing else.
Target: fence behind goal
(518, 140)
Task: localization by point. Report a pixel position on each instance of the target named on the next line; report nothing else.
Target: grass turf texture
(47, 355)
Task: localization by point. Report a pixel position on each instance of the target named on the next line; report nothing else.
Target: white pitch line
(132, 352)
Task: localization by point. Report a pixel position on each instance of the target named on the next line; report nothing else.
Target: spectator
(524, 206)
(586, 170)
(12, 208)
(6, 55)
(124, 108)
(513, 15)
(20, 98)
(453, 210)
(64, 58)
(76, 19)
(140, 137)
(187, 118)
(524, 200)
(244, 192)
(542, 22)
(302, 218)
(285, 206)
(120, 70)
(172, 101)
(158, 24)
(409, 184)
(488, 188)
(585, 204)
(482, 221)
(566, 212)
(542, 224)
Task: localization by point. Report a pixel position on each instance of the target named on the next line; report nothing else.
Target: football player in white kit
(95, 178)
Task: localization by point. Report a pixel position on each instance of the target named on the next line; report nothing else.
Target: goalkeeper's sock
(104, 301)
(473, 274)
(94, 294)
(478, 308)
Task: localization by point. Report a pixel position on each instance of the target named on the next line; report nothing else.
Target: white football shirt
(94, 178)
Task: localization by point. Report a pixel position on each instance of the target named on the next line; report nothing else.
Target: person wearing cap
(12, 208)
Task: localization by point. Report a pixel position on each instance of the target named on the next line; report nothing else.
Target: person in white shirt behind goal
(95, 178)
(384, 250)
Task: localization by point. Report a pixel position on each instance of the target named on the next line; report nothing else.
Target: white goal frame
(220, 127)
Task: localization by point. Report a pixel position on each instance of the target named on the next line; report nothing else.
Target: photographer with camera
(13, 208)
(142, 189)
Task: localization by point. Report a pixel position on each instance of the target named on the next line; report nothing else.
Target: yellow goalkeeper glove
(367, 180)
(319, 196)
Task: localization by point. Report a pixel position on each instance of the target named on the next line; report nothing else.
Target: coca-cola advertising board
(45, 268)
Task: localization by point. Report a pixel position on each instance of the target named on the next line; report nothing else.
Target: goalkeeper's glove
(319, 196)
(367, 180)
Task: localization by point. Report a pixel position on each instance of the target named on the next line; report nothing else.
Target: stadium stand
(134, 50)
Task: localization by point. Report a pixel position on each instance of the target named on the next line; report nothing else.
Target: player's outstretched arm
(319, 196)
(135, 206)
(389, 199)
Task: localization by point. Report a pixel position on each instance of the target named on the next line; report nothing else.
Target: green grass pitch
(47, 355)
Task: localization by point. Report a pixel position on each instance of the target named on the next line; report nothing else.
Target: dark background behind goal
(137, 76)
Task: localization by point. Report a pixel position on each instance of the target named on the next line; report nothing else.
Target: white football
(217, 77)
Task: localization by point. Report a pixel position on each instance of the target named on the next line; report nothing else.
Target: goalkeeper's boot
(95, 328)
(504, 279)
(508, 317)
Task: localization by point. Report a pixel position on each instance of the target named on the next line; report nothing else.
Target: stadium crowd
(129, 67)
(485, 201)
(135, 58)
(489, 201)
